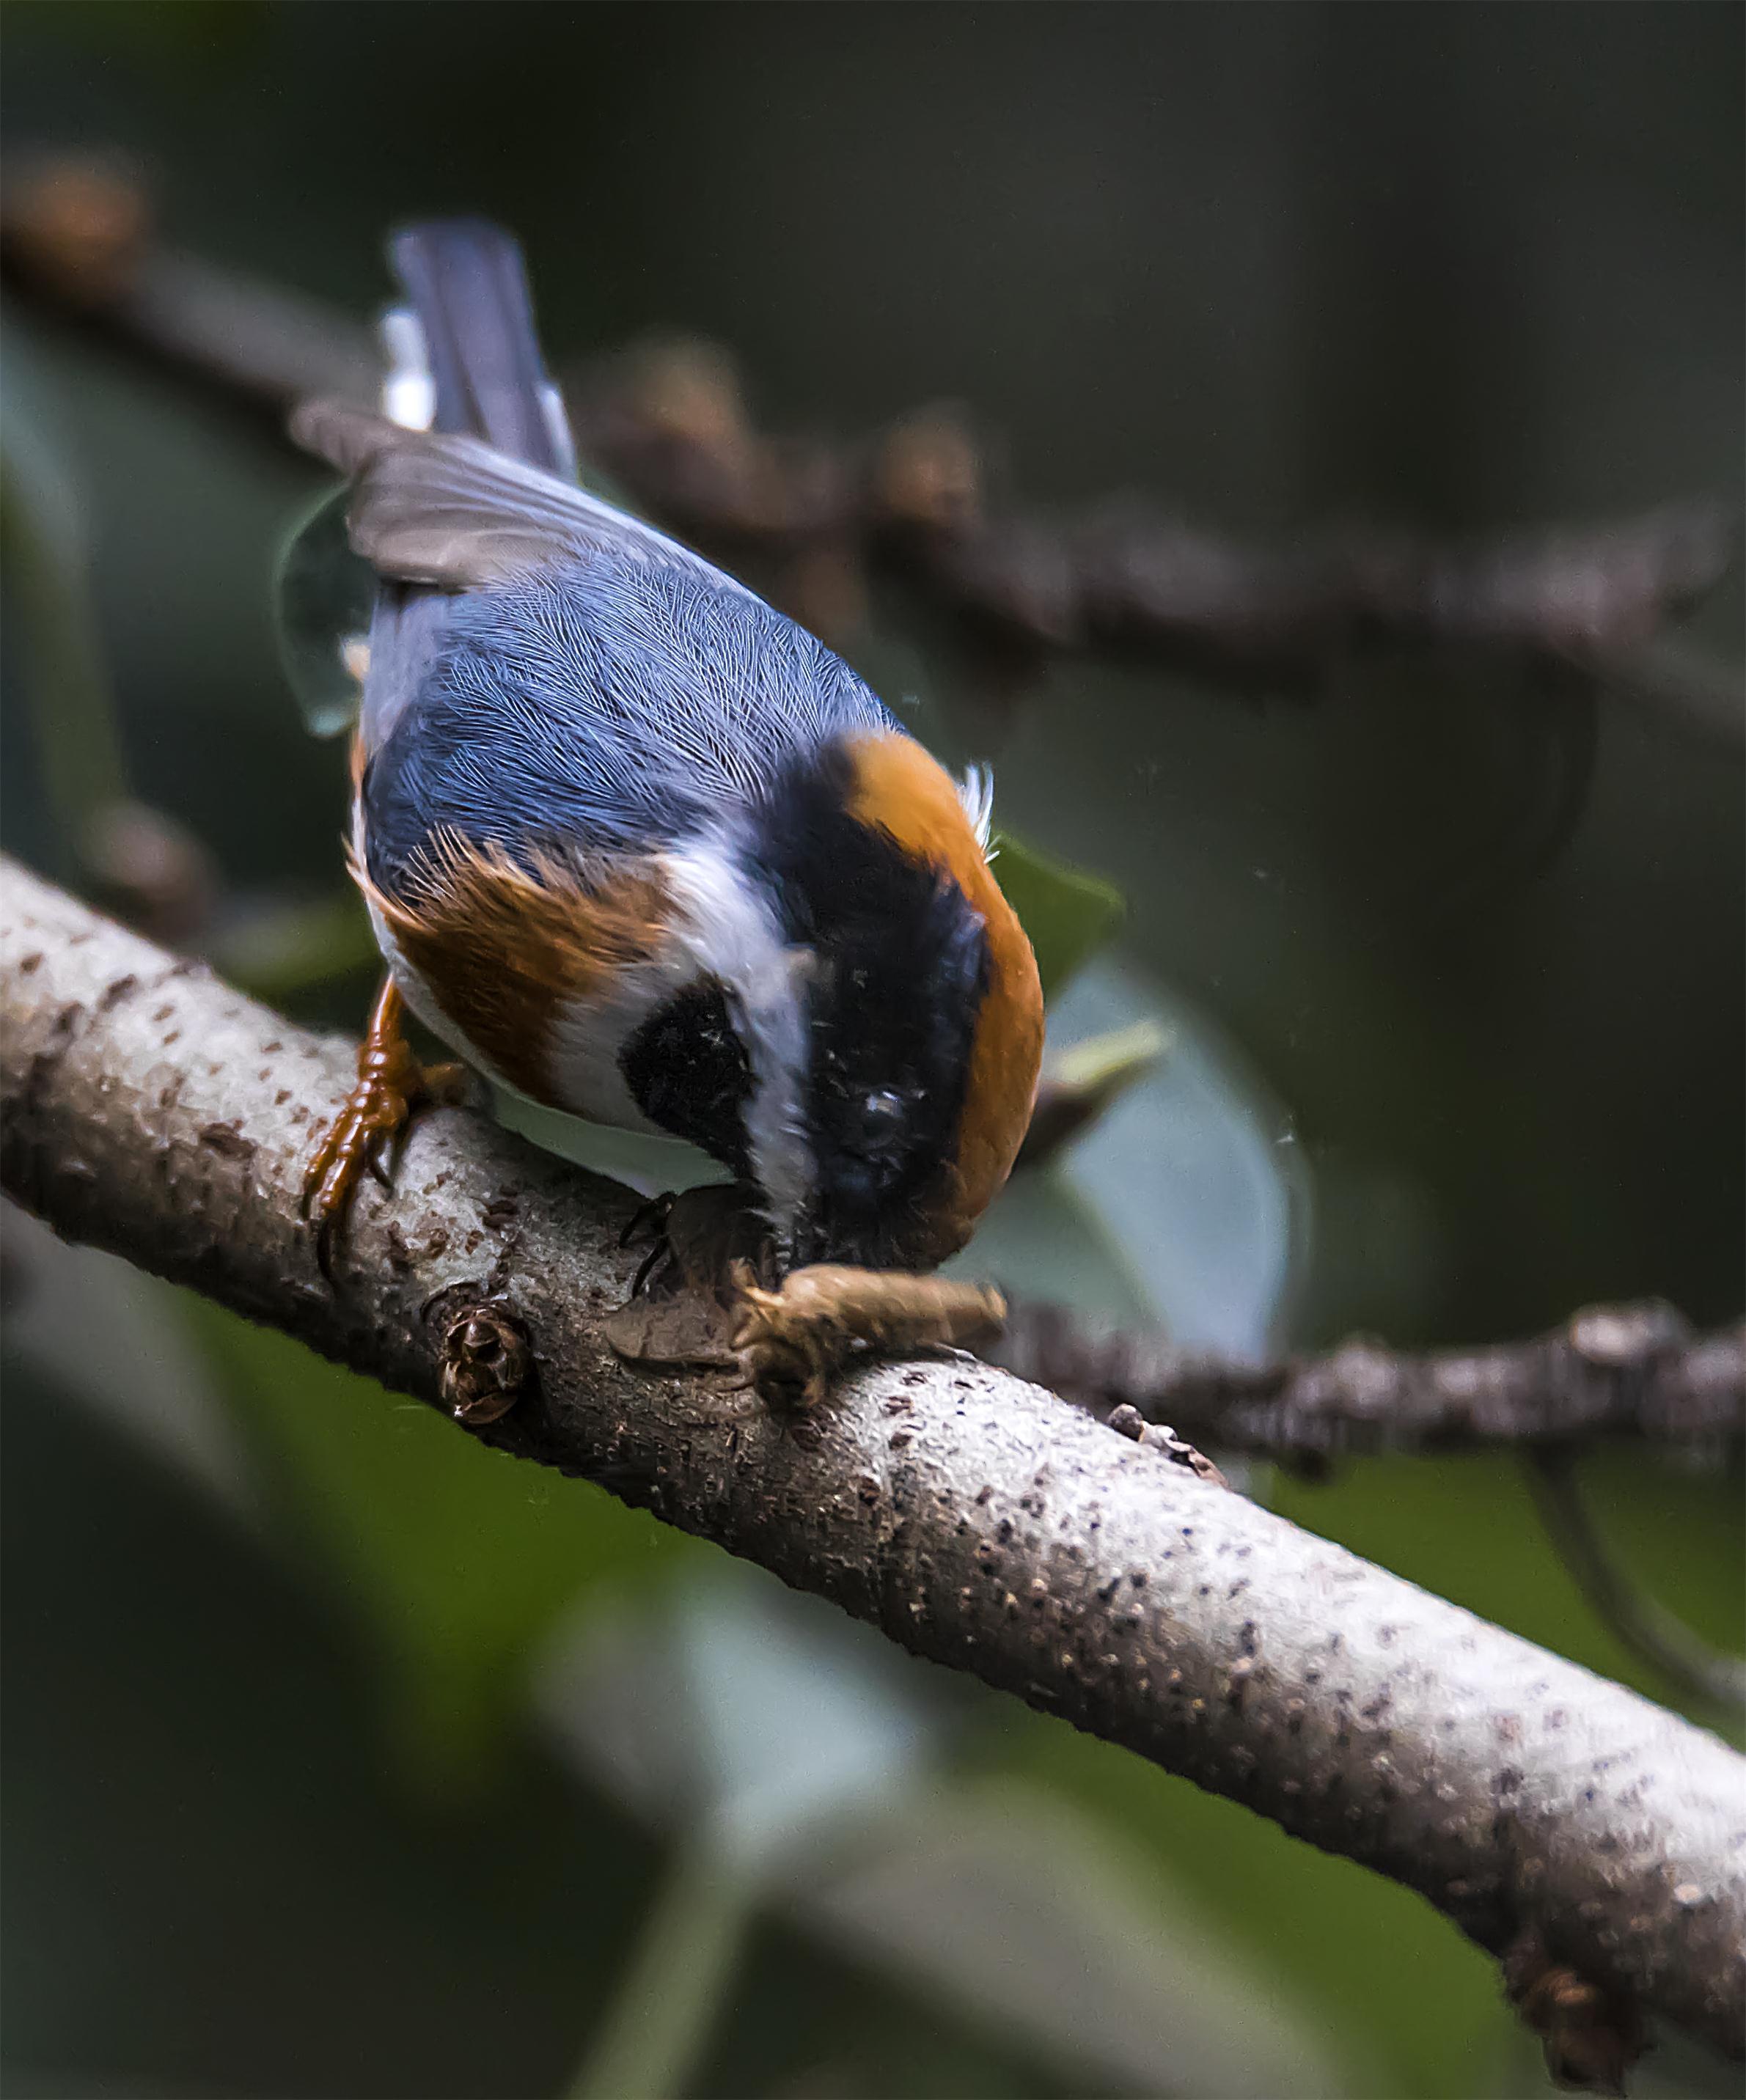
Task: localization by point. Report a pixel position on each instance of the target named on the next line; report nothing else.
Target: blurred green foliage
(320, 1769)
(1069, 914)
(455, 1563)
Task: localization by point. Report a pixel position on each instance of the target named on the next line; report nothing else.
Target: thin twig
(1652, 1633)
(1636, 1370)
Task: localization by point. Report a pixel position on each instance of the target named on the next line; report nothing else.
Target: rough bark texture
(978, 1520)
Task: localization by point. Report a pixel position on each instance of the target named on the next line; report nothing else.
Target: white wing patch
(976, 791)
(723, 927)
(732, 932)
(408, 390)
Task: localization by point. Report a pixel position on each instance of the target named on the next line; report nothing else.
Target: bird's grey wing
(446, 510)
(487, 495)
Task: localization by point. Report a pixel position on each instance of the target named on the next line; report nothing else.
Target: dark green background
(280, 1813)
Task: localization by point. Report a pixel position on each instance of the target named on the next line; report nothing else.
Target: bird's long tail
(473, 333)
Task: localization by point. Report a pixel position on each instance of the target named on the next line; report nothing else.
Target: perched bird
(637, 846)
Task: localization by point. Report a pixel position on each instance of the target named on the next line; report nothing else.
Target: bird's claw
(391, 1084)
(376, 1108)
(653, 1214)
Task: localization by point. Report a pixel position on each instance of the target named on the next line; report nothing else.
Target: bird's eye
(882, 1111)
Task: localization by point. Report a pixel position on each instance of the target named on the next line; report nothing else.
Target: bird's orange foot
(391, 1084)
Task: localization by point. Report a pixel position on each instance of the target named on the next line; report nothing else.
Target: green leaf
(455, 1560)
(281, 951)
(1005, 1896)
(1068, 913)
(1194, 1175)
(322, 596)
(1379, 1981)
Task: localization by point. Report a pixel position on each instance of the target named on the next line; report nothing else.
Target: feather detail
(446, 510)
(408, 389)
(504, 946)
(899, 789)
(976, 791)
(468, 286)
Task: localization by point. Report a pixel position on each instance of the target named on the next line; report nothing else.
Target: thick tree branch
(1621, 1371)
(979, 1521)
(1635, 1371)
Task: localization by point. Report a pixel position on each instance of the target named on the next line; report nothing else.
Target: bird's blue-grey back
(616, 694)
(608, 709)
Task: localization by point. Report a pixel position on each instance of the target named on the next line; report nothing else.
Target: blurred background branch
(1629, 1371)
(815, 522)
